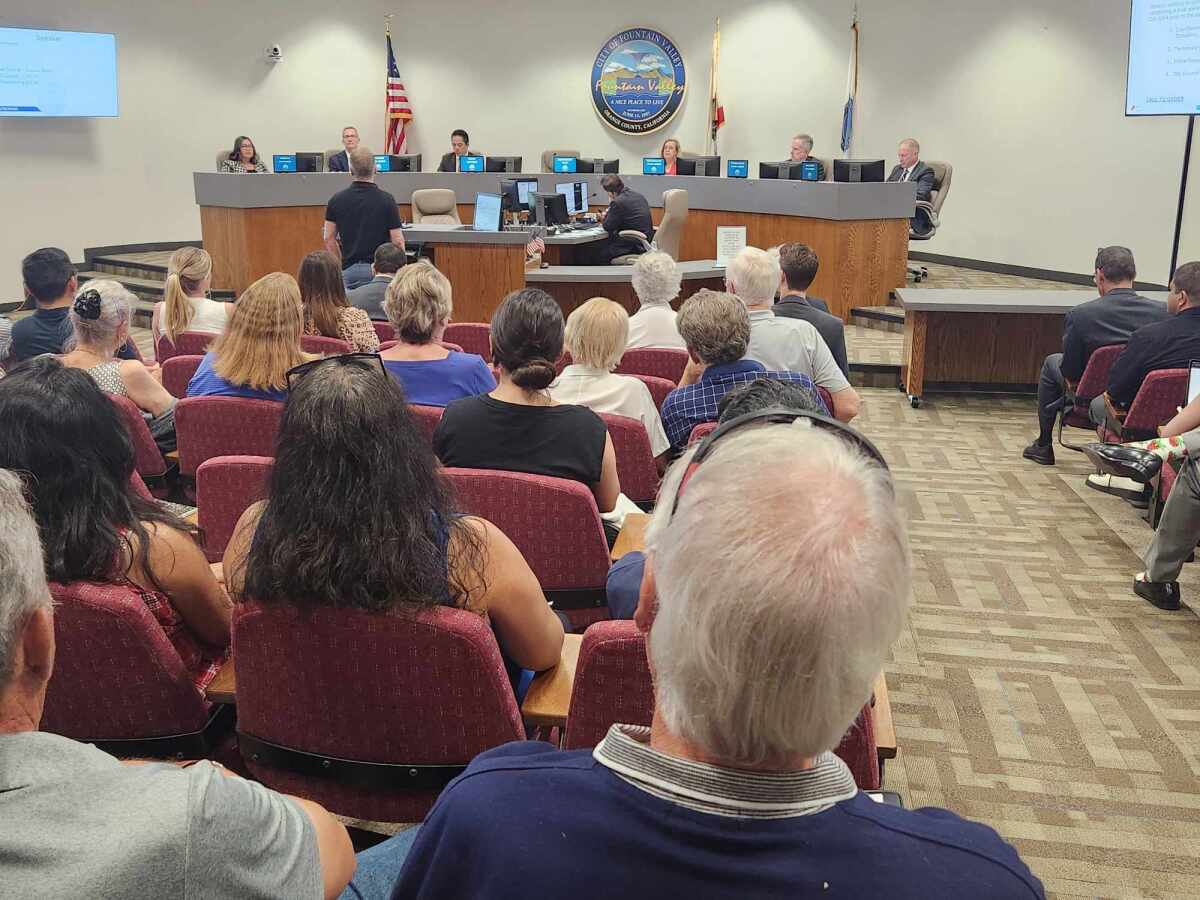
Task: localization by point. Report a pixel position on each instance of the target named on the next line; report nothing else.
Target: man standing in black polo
(359, 219)
(627, 211)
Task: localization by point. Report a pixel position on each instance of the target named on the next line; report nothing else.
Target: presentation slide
(57, 73)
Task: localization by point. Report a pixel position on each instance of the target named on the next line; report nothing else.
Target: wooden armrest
(223, 688)
(632, 536)
(548, 699)
(881, 719)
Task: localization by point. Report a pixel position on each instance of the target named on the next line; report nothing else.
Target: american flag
(397, 111)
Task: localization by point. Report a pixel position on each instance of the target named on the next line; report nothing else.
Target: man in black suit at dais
(910, 168)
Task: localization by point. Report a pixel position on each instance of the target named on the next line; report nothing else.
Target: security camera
(274, 53)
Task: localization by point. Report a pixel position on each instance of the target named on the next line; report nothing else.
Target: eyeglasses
(295, 373)
(777, 415)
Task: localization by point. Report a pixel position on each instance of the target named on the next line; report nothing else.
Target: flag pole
(387, 121)
(710, 142)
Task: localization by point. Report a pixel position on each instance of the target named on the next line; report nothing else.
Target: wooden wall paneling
(481, 275)
(572, 294)
(912, 372)
(223, 232)
(989, 348)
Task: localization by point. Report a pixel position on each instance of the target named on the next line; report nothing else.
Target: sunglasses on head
(295, 373)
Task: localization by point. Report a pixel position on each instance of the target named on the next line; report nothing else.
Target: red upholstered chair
(327, 346)
(449, 345)
(826, 398)
(473, 337)
(369, 714)
(661, 362)
(190, 343)
(1161, 392)
(427, 417)
(562, 362)
(388, 345)
(1091, 384)
(659, 387)
(119, 683)
(556, 526)
(636, 469)
(385, 330)
(139, 487)
(148, 459)
(700, 431)
(224, 426)
(177, 373)
(613, 684)
(225, 487)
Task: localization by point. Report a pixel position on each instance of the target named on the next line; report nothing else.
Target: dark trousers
(1052, 388)
(602, 253)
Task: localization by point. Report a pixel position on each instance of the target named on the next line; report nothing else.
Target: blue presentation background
(57, 73)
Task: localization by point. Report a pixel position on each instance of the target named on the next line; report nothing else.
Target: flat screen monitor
(1193, 380)
(810, 170)
(598, 166)
(284, 162)
(518, 192)
(698, 165)
(858, 170)
(565, 164)
(1163, 78)
(487, 212)
(737, 168)
(383, 163)
(654, 165)
(57, 73)
(503, 164)
(576, 193)
(310, 162)
(470, 163)
(407, 162)
(550, 209)
(786, 170)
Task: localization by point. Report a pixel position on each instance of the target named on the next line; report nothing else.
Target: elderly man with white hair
(763, 651)
(656, 280)
(781, 343)
(910, 168)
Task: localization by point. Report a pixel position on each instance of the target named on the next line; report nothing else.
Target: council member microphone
(627, 211)
(340, 162)
(910, 168)
(460, 145)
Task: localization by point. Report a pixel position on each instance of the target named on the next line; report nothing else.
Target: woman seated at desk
(243, 159)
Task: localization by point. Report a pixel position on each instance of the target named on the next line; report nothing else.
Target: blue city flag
(847, 124)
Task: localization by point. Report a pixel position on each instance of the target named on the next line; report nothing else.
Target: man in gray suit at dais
(910, 168)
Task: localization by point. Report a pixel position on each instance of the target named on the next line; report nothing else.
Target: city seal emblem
(638, 81)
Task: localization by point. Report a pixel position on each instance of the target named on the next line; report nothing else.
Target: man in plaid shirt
(716, 328)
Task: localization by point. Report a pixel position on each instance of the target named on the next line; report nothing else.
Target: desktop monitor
(810, 170)
(654, 165)
(598, 166)
(576, 193)
(502, 164)
(737, 168)
(470, 163)
(487, 212)
(383, 163)
(518, 193)
(858, 170)
(310, 162)
(550, 209)
(408, 162)
(284, 162)
(565, 164)
(786, 170)
(698, 165)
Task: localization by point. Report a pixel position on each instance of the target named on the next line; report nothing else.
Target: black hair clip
(87, 304)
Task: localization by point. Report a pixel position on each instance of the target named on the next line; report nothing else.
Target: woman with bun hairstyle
(519, 427)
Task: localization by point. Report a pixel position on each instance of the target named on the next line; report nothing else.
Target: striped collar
(720, 791)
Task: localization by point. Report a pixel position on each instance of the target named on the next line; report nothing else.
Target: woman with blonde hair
(418, 304)
(260, 343)
(327, 312)
(185, 305)
(670, 152)
(595, 337)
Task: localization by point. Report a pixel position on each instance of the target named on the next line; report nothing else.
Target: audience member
(100, 322)
(185, 305)
(95, 826)
(785, 344)
(419, 306)
(378, 534)
(51, 283)
(72, 447)
(1110, 319)
(716, 329)
(260, 343)
(656, 279)
(801, 150)
(327, 312)
(595, 337)
(389, 259)
(519, 427)
(798, 266)
(733, 790)
(359, 219)
(670, 153)
(242, 159)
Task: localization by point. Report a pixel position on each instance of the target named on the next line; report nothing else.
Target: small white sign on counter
(731, 240)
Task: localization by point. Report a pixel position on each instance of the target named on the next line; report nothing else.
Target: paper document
(731, 240)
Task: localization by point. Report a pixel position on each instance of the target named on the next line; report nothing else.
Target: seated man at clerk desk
(340, 162)
(460, 145)
(802, 145)
(910, 168)
(627, 211)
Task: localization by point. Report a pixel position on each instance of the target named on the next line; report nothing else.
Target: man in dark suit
(1110, 319)
(910, 168)
(340, 162)
(389, 259)
(627, 211)
(460, 145)
(798, 265)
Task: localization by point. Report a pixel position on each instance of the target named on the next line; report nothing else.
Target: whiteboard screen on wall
(57, 73)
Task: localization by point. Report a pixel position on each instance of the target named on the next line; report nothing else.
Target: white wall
(1025, 98)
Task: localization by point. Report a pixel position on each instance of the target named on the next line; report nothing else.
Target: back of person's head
(362, 162)
(389, 259)
(527, 338)
(68, 441)
(187, 270)
(47, 273)
(612, 184)
(596, 333)
(356, 514)
(417, 302)
(799, 265)
(656, 278)
(715, 327)
(261, 340)
(1187, 280)
(753, 276)
(762, 393)
(818, 612)
(23, 589)
(100, 314)
(322, 291)
(1116, 264)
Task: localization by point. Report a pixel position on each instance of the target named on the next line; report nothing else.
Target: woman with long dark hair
(357, 516)
(65, 439)
(242, 159)
(326, 310)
